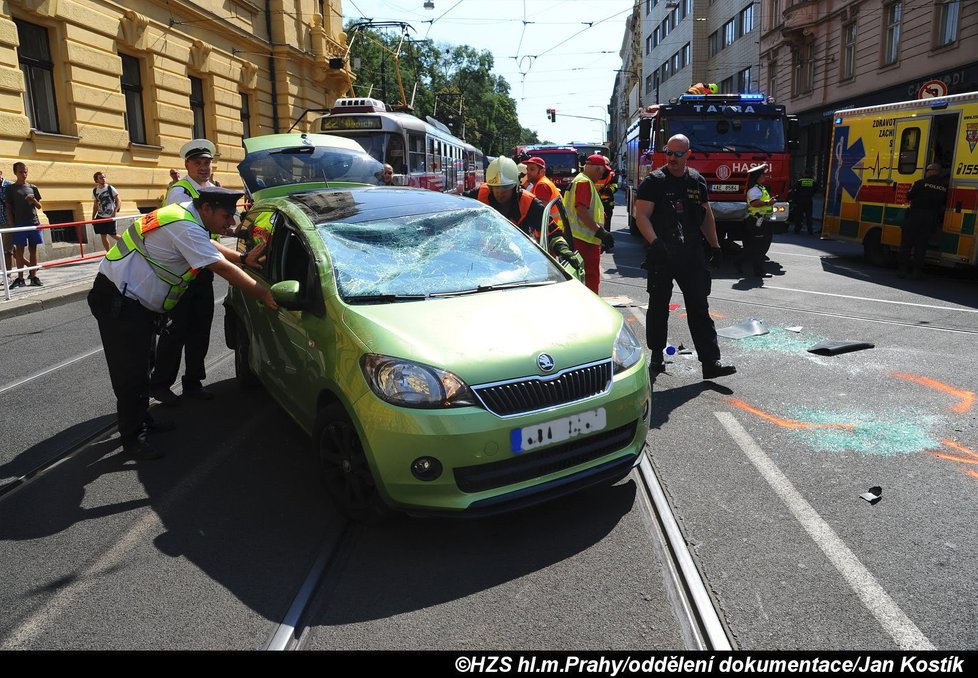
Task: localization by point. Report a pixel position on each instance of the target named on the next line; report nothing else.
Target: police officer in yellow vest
(188, 327)
(144, 275)
(757, 226)
(586, 216)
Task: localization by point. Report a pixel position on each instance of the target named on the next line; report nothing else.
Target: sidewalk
(62, 285)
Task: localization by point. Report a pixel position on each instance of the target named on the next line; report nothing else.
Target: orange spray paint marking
(973, 474)
(712, 315)
(954, 457)
(785, 423)
(959, 447)
(673, 307)
(967, 397)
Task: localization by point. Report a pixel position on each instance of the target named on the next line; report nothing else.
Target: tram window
(909, 148)
(395, 153)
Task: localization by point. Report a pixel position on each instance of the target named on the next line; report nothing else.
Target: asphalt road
(207, 548)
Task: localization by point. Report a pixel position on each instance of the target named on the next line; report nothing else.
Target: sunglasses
(678, 154)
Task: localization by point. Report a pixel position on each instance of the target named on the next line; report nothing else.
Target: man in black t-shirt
(928, 199)
(672, 211)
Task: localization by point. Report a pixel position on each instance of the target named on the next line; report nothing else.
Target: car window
(256, 228)
(308, 164)
(457, 251)
(289, 259)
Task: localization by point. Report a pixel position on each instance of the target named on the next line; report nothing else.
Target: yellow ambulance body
(878, 152)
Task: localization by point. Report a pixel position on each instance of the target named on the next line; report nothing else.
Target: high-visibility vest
(578, 228)
(526, 199)
(607, 187)
(763, 209)
(185, 185)
(133, 239)
(806, 183)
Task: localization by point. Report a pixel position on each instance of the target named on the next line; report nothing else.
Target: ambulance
(878, 152)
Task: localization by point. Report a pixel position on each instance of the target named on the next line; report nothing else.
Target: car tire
(242, 348)
(344, 469)
(874, 252)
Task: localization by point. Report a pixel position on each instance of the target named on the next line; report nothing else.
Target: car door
(295, 364)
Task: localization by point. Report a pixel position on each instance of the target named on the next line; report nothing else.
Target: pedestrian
(388, 175)
(586, 215)
(23, 202)
(145, 274)
(107, 204)
(174, 178)
(8, 243)
(802, 193)
(525, 183)
(672, 211)
(187, 330)
(928, 200)
(758, 230)
(502, 192)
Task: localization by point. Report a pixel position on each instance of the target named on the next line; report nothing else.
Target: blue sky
(555, 53)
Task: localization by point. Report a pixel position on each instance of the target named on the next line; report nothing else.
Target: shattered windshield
(443, 254)
(308, 164)
(730, 133)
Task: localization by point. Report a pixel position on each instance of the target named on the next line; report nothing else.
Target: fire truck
(728, 134)
(878, 152)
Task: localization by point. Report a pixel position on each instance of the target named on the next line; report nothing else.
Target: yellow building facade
(96, 85)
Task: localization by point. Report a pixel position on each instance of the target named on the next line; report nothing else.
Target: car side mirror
(286, 294)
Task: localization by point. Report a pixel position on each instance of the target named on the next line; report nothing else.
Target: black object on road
(830, 347)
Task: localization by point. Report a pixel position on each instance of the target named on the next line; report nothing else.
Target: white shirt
(754, 193)
(179, 194)
(178, 246)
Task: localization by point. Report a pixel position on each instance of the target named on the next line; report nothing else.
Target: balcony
(799, 16)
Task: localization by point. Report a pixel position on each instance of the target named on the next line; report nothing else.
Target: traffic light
(552, 112)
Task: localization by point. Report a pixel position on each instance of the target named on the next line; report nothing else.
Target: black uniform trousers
(127, 329)
(686, 264)
(758, 234)
(187, 331)
(609, 208)
(914, 237)
(803, 210)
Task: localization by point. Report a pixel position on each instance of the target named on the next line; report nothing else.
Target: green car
(441, 361)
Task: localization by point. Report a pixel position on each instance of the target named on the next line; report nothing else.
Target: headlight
(627, 350)
(409, 384)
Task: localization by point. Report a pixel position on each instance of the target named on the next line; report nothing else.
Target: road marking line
(881, 301)
(893, 620)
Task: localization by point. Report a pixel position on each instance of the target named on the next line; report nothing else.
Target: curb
(58, 297)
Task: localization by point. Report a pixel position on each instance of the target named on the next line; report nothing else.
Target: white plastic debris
(749, 328)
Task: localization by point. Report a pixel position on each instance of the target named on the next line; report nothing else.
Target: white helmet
(502, 172)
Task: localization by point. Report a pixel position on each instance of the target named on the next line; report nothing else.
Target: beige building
(818, 56)
(90, 85)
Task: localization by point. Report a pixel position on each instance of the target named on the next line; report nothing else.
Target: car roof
(269, 141)
(375, 203)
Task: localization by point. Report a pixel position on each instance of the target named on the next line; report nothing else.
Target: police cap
(197, 148)
(219, 197)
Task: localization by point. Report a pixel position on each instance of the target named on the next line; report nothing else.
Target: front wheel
(344, 468)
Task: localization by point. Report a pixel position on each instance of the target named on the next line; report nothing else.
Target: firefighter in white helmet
(502, 191)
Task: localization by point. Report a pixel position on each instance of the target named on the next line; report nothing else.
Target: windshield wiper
(385, 298)
(513, 285)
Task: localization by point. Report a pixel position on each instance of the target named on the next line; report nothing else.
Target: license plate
(724, 188)
(558, 430)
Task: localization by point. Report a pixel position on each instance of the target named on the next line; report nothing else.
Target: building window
(686, 9)
(245, 116)
(648, 45)
(775, 13)
(132, 88)
(947, 22)
(726, 85)
(848, 50)
(743, 80)
(803, 69)
(729, 32)
(34, 55)
(676, 62)
(714, 42)
(747, 19)
(891, 45)
(686, 55)
(68, 233)
(197, 106)
(772, 78)
(648, 84)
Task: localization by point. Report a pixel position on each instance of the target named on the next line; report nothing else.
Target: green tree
(454, 84)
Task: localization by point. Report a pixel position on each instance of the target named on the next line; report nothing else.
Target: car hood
(492, 336)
